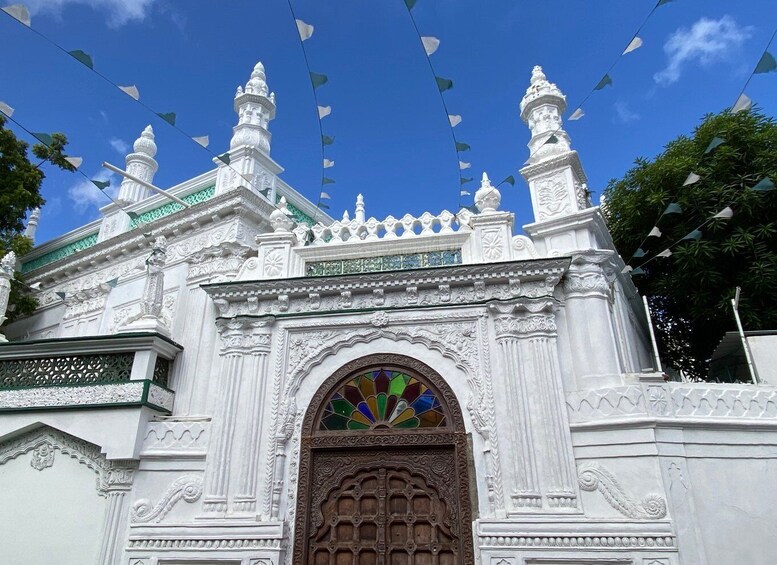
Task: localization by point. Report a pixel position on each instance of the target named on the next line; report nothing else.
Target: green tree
(690, 291)
(20, 183)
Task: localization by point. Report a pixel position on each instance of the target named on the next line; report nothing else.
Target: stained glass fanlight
(382, 398)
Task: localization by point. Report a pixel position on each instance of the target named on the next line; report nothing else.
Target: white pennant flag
(18, 12)
(577, 114)
(328, 164)
(743, 104)
(305, 30)
(131, 91)
(725, 214)
(463, 165)
(431, 44)
(635, 44)
(6, 109)
(655, 232)
(454, 120)
(325, 196)
(693, 178)
(324, 111)
(75, 161)
(665, 253)
(465, 193)
(203, 140)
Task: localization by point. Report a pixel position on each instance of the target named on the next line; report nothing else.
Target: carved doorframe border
(455, 436)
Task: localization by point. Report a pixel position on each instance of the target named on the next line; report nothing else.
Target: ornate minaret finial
(32, 224)
(7, 267)
(487, 197)
(359, 213)
(280, 218)
(141, 164)
(541, 108)
(255, 107)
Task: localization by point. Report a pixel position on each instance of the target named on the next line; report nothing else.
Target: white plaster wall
(764, 350)
(49, 517)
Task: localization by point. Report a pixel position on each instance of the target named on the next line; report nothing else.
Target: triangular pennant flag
(465, 193)
(18, 12)
(509, 180)
(324, 111)
(224, 158)
(695, 234)
(692, 179)
(662, 2)
(82, 57)
(431, 44)
(655, 232)
(131, 91)
(318, 79)
(203, 140)
(767, 64)
(716, 141)
(44, 138)
(264, 192)
(328, 163)
(764, 185)
(102, 185)
(552, 139)
(673, 208)
(305, 30)
(606, 80)
(168, 117)
(639, 253)
(134, 216)
(637, 272)
(725, 214)
(454, 120)
(473, 209)
(627, 269)
(464, 180)
(743, 104)
(463, 165)
(75, 161)
(6, 109)
(577, 114)
(635, 44)
(323, 206)
(443, 83)
(326, 180)
(327, 140)
(462, 146)
(325, 196)
(665, 253)
(62, 295)
(113, 283)
(410, 4)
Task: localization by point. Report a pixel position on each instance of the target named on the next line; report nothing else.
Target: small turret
(140, 163)
(541, 109)
(255, 107)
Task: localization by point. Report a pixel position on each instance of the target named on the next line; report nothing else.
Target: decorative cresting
(187, 488)
(384, 433)
(593, 476)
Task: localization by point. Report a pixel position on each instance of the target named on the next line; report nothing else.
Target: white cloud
(84, 194)
(624, 114)
(119, 145)
(707, 41)
(119, 12)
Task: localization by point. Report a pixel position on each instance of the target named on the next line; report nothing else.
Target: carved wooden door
(383, 476)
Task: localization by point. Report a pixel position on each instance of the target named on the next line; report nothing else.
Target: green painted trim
(60, 253)
(172, 207)
(117, 337)
(68, 385)
(73, 407)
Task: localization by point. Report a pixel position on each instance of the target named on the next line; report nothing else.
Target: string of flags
(431, 44)
(21, 14)
(317, 80)
(766, 64)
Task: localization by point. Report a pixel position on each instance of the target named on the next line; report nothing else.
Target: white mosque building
(232, 383)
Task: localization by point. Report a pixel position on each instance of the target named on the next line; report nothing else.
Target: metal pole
(745, 345)
(652, 336)
(125, 174)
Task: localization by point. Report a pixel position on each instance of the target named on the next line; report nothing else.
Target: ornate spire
(32, 224)
(145, 143)
(255, 106)
(487, 197)
(141, 164)
(359, 213)
(280, 218)
(541, 108)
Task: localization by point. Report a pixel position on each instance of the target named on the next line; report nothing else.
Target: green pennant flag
(473, 209)
(101, 184)
(716, 141)
(410, 4)
(695, 234)
(509, 180)
(327, 140)
(44, 138)
(323, 206)
(462, 146)
(82, 58)
(637, 272)
(673, 208)
(169, 117)
(326, 180)
(224, 158)
(764, 185)
(767, 64)
(443, 83)
(606, 80)
(639, 253)
(662, 2)
(62, 295)
(318, 79)
(552, 139)
(463, 180)
(134, 216)
(265, 192)
(113, 283)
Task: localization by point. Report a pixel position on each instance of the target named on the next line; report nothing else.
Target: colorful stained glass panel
(381, 399)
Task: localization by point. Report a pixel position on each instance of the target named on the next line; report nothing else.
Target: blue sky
(392, 138)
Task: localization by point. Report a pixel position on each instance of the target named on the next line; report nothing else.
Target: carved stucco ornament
(593, 477)
(187, 488)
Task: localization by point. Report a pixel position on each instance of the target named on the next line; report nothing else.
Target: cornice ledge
(552, 164)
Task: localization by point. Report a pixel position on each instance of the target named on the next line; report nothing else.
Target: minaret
(32, 224)
(553, 171)
(140, 163)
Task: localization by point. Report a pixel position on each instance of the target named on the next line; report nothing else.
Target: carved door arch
(384, 474)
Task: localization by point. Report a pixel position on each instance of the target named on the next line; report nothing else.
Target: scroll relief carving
(187, 488)
(593, 476)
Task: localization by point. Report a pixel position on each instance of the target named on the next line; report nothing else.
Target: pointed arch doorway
(384, 474)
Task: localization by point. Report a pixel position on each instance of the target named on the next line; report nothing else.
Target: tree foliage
(690, 292)
(20, 183)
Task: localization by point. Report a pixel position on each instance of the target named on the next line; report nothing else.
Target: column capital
(245, 335)
(525, 318)
(586, 275)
